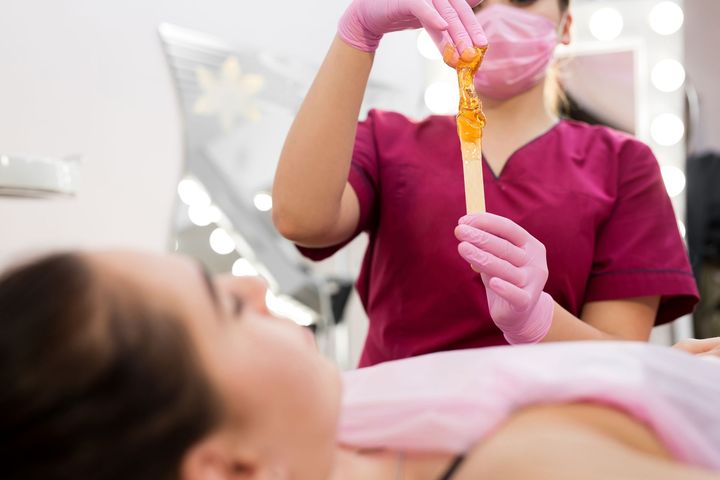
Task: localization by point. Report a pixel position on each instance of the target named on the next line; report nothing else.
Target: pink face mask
(521, 46)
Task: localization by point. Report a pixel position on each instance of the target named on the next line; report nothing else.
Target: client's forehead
(141, 265)
(166, 283)
(165, 278)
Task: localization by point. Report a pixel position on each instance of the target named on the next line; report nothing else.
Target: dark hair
(95, 383)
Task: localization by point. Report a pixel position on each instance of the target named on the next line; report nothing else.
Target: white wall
(89, 77)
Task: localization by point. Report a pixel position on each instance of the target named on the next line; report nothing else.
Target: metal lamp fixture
(37, 177)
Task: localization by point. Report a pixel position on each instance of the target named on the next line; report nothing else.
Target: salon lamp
(224, 94)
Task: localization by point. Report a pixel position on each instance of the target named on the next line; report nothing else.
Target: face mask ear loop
(561, 25)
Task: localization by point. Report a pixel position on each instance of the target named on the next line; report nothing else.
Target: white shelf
(32, 176)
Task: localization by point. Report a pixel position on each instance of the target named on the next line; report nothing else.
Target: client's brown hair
(94, 383)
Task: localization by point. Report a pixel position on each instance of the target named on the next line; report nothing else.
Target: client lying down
(131, 366)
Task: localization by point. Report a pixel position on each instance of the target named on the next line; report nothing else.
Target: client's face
(280, 395)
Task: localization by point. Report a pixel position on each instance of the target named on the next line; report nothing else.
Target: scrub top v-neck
(593, 196)
(499, 173)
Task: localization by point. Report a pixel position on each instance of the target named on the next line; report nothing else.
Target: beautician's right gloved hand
(449, 22)
(513, 266)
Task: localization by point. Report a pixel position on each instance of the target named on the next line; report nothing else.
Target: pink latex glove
(513, 267)
(449, 22)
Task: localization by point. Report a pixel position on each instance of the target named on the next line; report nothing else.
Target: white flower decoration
(228, 94)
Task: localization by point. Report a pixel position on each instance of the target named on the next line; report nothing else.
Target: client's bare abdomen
(601, 419)
(574, 441)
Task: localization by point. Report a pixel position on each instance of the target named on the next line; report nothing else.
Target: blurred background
(157, 124)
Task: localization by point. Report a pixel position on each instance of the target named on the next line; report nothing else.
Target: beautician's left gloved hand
(513, 268)
(706, 347)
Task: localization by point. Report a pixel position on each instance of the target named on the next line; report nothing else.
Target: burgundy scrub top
(593, 196)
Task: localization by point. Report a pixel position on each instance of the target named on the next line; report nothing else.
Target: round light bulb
(243, 268)
(442, 98)
(263, 201)
(668, 75)
(221, 242)
(681, 227)
(203, 216)
(192, 193)
(284, 307)
(674, 179)
(667, 129)
(666, 18)
(427, 47)
(606, 24)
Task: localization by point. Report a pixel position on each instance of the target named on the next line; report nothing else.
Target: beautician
(581, 242)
